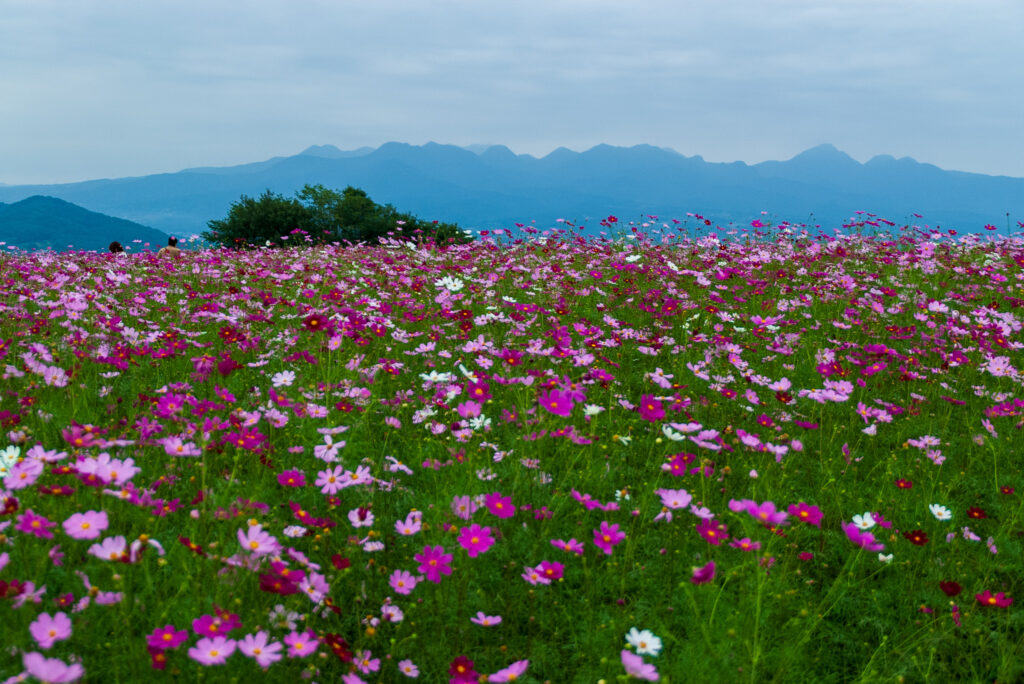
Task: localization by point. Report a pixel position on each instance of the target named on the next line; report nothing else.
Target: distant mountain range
(47, 222)
(488, 187)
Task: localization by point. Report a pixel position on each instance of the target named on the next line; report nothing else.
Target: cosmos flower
(644, 641)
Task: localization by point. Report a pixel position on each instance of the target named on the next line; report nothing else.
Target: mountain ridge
(492, 186)
(41, 222)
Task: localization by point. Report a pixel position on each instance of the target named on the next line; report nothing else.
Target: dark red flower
(950, 588)
(339, 647)
(917, 537)
(976, 513)
(904, 484)
(462, 670)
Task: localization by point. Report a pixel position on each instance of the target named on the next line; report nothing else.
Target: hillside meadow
(668, 453)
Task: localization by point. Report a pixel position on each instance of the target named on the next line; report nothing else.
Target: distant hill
(40, 222)
(490, 187)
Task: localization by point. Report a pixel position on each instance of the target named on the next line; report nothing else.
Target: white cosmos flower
(864, 522)
(882, 558)
(940, 512)
(592, 409)
(283, 379)
(671, 434)
(644, 642)
(8, 457)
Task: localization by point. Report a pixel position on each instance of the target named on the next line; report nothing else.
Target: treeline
(320, 215)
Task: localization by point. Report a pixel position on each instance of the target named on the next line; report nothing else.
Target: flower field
(662, 454)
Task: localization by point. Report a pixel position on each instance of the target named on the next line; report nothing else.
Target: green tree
(256, 222)
(319, 214)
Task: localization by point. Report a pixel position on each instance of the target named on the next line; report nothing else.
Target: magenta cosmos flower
(556, 402)
(651, 409)
(166, 637)
(49, 629)
(88, 525)
(1000, 600)
(475, 539)
(434, 562)
(865, 540)
(37, 525)
(607, 536)
(806, 513)
(499, 506)
(704, 574)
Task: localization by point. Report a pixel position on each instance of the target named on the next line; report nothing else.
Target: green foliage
(319, 215)
(254, 222)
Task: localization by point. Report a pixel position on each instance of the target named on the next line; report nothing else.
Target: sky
(117, 88)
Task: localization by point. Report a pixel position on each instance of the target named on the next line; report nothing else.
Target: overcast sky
(110, 88)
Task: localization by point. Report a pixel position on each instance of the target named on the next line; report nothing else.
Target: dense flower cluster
(539, 432)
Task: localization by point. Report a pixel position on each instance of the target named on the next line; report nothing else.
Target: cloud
(116, 88)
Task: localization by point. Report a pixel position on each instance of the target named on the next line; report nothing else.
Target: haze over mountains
(489, 187)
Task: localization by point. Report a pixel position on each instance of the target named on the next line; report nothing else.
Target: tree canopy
(317, 215)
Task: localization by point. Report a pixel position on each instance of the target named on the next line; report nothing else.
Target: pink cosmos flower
(330, 481)
(365, 662)
(636, 667)
(166, 637)
(36, 525)
(608, 536)
(412, 524)
(468, 409)
(434, 562)
(534, 576)
(806, 513)
(745, 544)
(475, 539)
(361, 517)
(23, 474)
(499, 506)
(212, 650)
(572, 546)
(865, 540)
(88, 525)
(48, 630)
(764, 512)
(464, 507)
(50, 669)
(259, 543)
(301, 644)
(260, 648)
(486, 620)
(403, 581)
(409, 669)
(510, 673)
(705, 574)
(111, 549)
